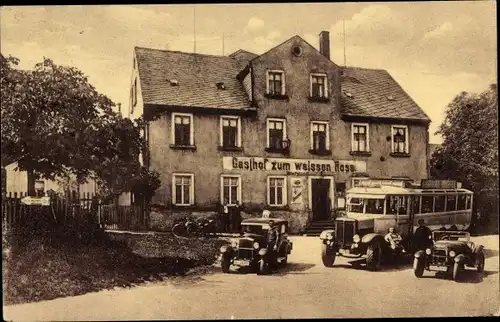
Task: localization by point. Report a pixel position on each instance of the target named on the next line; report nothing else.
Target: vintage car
(451, 252)
(250, 249)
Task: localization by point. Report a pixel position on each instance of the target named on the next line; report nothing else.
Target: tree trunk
(31, 183)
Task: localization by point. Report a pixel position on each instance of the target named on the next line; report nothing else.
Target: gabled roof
(195, 78)
(374, 93)
(243, 56)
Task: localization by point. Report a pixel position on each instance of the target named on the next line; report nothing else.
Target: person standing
(224, 217)
(422, 236)
(272, 243)
(236, 217)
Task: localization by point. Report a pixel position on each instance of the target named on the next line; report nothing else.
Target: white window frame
(191, 188)
(327, 129)
(407, 135)
(311, 83)
(367, 126)
(285, 191)
(283, 120)
(191, 127)
(283, 82)
(238, 192)
(238, 139)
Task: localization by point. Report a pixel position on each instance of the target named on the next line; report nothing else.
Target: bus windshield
(366, 205)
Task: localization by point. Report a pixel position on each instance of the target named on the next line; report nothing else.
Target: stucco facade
(252, 164)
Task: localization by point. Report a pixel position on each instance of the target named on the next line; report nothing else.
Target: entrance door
(320, 191)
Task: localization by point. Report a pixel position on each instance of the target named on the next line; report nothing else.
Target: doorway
(320, 198)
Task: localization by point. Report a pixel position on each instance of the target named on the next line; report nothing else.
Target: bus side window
(439, 203)
(468, 201)
(461, 202)
(427, 202)
(416, 204)
(451, 202)
(392, 205)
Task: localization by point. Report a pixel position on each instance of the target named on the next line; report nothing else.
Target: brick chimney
(324, 43)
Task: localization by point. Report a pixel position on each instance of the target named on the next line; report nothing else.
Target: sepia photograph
(217, 161)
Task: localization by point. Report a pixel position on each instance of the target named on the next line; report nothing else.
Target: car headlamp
(234, 243)
(452, 253)
(356, 238)
(428, 251)
(256, 245)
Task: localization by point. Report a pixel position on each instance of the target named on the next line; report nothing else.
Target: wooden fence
(71, 210)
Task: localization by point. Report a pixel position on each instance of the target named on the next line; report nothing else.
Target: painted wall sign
(292, 165)
(297, 190)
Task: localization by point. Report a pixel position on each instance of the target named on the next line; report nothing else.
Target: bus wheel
(373, 256)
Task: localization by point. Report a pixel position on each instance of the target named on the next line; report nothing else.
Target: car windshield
(254, 229)
(446, 235)
(373, 206)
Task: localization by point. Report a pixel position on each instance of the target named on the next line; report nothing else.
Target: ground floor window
(230, 189)
(276, 191)
(183, 189)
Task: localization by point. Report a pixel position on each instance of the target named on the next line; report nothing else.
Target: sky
(435, 50)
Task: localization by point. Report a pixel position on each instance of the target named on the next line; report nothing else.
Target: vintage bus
(375, 205)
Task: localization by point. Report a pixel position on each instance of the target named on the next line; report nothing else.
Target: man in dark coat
(272, 242)
(236, 217)
(422, 236)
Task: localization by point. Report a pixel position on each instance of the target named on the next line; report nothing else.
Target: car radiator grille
(245, 253)
(344, 231)
(439, 257)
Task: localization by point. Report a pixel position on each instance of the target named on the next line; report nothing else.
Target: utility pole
(343, 27)
(194, 28)
(223, 43)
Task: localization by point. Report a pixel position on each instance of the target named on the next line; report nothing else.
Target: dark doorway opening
(320, 191)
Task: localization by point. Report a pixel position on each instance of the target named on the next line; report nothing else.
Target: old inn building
(288, 130)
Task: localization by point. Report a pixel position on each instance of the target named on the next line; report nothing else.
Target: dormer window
(275, 82)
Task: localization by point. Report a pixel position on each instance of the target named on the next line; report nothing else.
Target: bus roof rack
(440, 184)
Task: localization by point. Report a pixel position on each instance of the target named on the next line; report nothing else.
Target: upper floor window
(319, 88)
(230, 189)
(399, 139)
(276, 133)
(320, 138)
(275, 82)
(230, 131)
(182, 129)
(359, 137)
(183, 189)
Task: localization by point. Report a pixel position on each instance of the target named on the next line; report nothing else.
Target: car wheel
(225, 264)
(418, 267)
(262, 267)
(480, 262)
(457, 271)
(327, 255)
(373, 256)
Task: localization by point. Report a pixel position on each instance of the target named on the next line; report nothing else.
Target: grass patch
(43, 270)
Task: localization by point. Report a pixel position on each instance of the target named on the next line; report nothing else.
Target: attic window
(220, 85)
(390, 98)
(348, 94)
(297, 50)
(174, 82)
